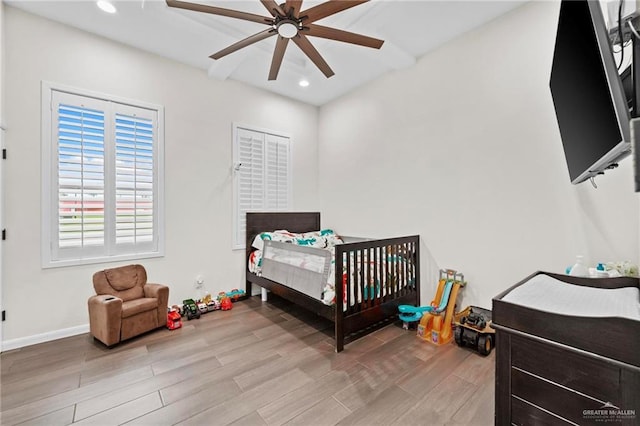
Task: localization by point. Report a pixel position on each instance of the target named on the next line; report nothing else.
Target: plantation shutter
(277, 172)
(134, 177)
(249, 178)
(103, 186)
(262, 179)
(80, 174)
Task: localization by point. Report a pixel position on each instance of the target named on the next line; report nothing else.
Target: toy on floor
(473, 329)
(435, 321)
(174, 320)
(235, 294)
(225, 301)
(226, 304)
(190, 309)
(178, 309)
(213, 305)
(410, 313)
(202, 307)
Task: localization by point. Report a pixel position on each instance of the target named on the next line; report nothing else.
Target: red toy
(173, 320)
(225, 304)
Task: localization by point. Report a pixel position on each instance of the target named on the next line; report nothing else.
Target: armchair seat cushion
(135, 306)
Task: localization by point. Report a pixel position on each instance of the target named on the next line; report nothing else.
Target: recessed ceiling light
(106, 6)
(303, 83)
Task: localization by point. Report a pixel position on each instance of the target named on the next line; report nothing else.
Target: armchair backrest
(125, 282)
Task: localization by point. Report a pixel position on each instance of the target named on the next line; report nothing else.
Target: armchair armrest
(160, 292)
(105, 318)
(155, 290)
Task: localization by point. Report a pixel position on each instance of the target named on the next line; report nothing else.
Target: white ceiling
(410, 29)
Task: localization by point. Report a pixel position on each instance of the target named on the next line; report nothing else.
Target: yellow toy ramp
(437, 328)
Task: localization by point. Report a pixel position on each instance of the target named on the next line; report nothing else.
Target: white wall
(464, 149)
(199, 113)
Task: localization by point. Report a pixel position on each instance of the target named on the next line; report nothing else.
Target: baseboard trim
(21, 342)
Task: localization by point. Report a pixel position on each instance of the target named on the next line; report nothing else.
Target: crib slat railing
(347, 283)
(373, 272)
(376, 278)
(360, 280)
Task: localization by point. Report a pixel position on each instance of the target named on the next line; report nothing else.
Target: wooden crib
(373, 275)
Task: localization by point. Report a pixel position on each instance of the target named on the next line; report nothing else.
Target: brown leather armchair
(125, 305)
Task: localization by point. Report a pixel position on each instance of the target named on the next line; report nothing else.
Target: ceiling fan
(289, 22)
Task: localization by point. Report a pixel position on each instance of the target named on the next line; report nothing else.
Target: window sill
(103, 259)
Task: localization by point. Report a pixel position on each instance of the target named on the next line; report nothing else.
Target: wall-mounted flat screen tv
(588, 95)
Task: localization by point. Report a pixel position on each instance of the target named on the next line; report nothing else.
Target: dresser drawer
(558, 400)
(525, 414)
(578, 372)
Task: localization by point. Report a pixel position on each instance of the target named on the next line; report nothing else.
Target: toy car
(235, 294)
(190, 309)
(225, 304)
(178, 309)
(213, 305)
(473, 329)
(174, 320)
(202, 307)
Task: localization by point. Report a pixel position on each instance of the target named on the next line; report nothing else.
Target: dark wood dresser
(554, 368)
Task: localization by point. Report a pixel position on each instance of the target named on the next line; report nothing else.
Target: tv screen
(587, 91)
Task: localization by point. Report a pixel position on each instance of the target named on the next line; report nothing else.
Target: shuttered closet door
(262, 177)
(277, 173)
(249, 178)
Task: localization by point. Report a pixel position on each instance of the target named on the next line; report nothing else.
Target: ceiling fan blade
(292, 7)
(340, 35)
(244, 43)
(328, 8)
(278, 54)
(305, 45)
(273, 7)
(220, 11)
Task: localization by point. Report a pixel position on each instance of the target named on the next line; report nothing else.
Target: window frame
(240, 245)
(49, 179)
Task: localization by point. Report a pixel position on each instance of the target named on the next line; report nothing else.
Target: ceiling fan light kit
(289, 22)
(287, 28)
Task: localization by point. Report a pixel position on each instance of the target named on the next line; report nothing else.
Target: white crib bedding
(309, 270)
(545, 293)
(323, 239)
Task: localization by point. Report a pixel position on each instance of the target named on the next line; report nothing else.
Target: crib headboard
(270, 221)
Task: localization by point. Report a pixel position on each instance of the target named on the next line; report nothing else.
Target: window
(102, 178)
(262, 175)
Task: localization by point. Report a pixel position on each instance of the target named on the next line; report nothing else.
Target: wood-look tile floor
(258, 364)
